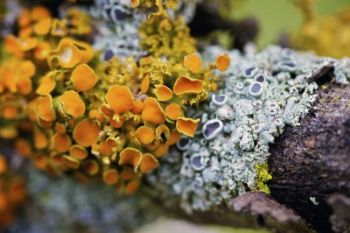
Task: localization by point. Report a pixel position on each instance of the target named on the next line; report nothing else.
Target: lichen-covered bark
(310, 162)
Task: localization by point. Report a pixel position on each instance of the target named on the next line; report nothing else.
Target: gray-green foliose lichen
(62, 205)
(261, 93)
(117, 26)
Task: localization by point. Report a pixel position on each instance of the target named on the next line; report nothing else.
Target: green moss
(263, 176)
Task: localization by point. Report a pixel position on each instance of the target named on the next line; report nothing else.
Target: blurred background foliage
(280, 16)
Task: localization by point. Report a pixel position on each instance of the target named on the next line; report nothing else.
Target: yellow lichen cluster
(12, 193)
(101, 119)
(327, 36)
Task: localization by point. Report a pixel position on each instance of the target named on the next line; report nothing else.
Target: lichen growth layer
(260, 94)
(109, 119)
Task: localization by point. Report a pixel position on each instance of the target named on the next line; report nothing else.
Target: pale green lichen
(260, 94)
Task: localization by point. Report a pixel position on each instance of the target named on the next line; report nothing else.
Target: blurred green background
(278, 16)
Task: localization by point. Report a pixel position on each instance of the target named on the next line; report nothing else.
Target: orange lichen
(46, 85)
(61, 142)
(135, 3)
(106, 147)
(39, 12)
(132, 186)
(161, 150)
(145, 84)
(24, 85)
(85, 49)
(162, 133)
(174, 137)
(83, 78)
(153, 112)
(9, 112)
(68, 55)
(130, 156)
(148, 163)
(127, 173)
(70, 162)
(42, 51)
(27, 68)
(193, 62)
(42, 27)
(40, 139)
(86, 132)
(72, 104)
(173, 111)
(78, 152)
(145, 134)
(91, 118)
(26, 44)
(163, 93)
(222, 62)
(44, 108)
(120, 99)
(187, 126)
(110, 176)
(23, 147)
(3, 164)
(91, 167)
(138, 107)
(184, 85)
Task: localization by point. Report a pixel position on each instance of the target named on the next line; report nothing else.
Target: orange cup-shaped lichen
(162, 133)
(72, 104)
(26, 44)
(145, 84)
(174, 137)
(120, 99)
(153, 112)
(27, 68)
(86, 132)
(138, 107)
(173, 111)
(46, 85)
(68, 54)
(61, 142)
(42, 27)
(91, 167)
(110, 176)
(42, 51)
(132, 186)
(83, 78)
(40, 139)
(187, 126)
(106, 148)
(44, 108)
(78, 152)
(161, 150)
(184, 85)
(193, 62)
(130, 156)
(222, 62)
(145, 134)
(163, 93)
(148, 163)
